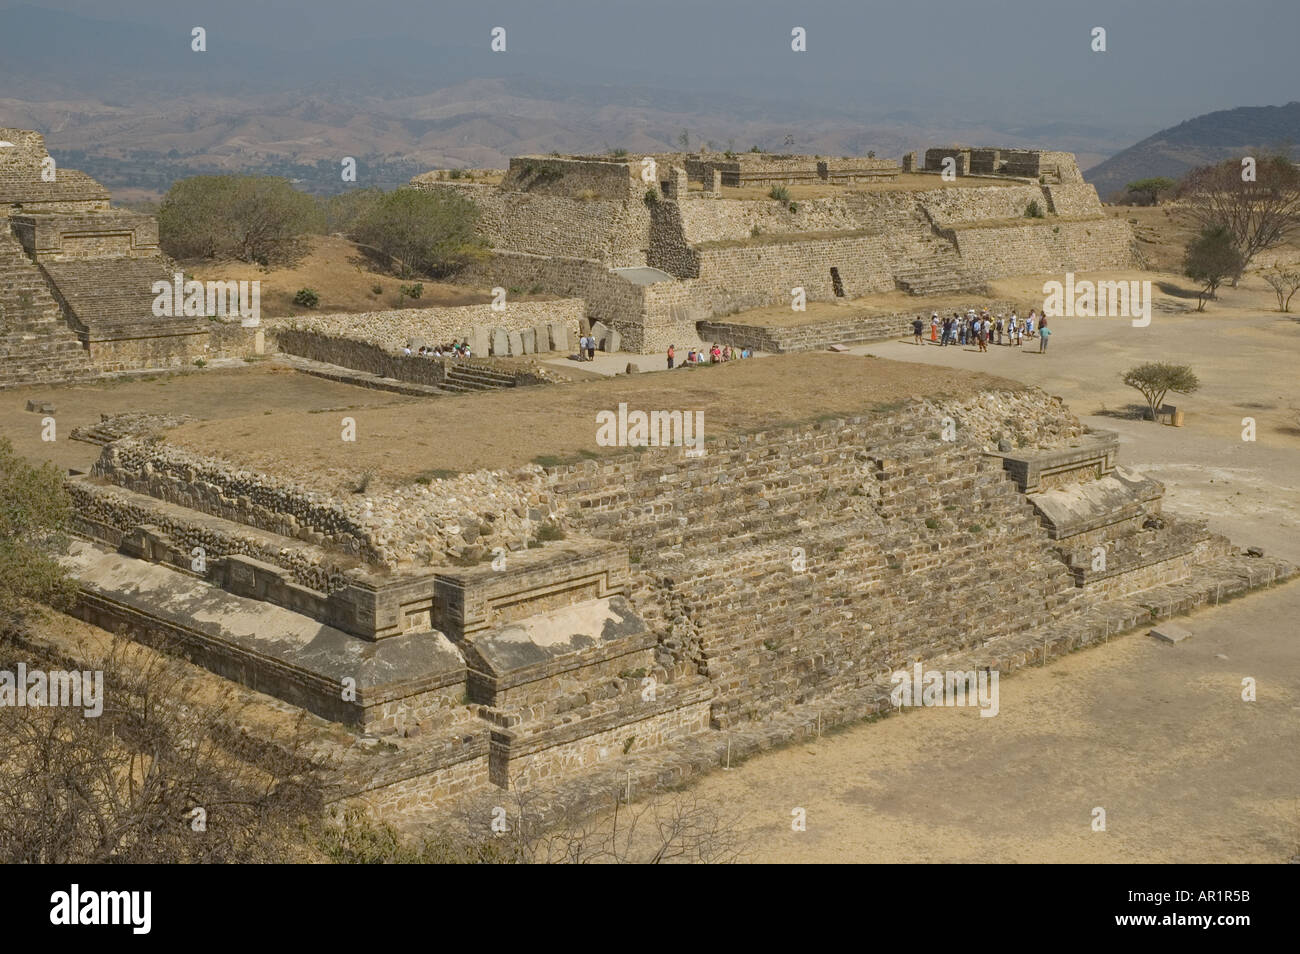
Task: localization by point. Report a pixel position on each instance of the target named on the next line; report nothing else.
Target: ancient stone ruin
(649, 611)
(653, 257)
(76, 276)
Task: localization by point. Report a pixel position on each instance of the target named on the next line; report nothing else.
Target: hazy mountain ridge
(1206, 139)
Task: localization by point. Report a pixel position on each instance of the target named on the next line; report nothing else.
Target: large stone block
(612, 341)
(500, 341)
(478, 341)
(598, 331)
(516, 343)
(559, 334)
(528, 338)
(542, 335)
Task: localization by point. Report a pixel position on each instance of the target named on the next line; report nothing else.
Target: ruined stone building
(76, 276)
(656, 244)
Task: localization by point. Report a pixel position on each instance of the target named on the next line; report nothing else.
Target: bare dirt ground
(1156, 735)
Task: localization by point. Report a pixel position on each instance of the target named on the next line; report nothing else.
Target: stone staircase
(461, 378)
(476, 377)
(36, 346)
(940, 274)
(112, 297)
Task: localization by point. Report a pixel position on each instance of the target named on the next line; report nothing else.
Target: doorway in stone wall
(836, 284)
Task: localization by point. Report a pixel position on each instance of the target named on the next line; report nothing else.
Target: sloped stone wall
(1048, 248)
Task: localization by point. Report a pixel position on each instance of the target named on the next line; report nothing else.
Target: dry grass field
(345, 279)
(398, 442)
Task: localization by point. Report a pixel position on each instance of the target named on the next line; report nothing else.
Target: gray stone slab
(542, 335)
(543, 638)
(275, 636)
(612, 341)
(1171, 633)
(598, 331)
(500, 341)
(415, 344)
(528, 337)
(559, 334)
(478, 342)
(516, 343)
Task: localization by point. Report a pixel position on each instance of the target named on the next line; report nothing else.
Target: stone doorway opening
(836, 283)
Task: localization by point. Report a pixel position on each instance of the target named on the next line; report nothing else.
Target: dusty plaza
(574, 491)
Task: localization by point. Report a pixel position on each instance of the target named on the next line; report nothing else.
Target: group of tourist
(714, 355)
(983, 329)
(453, 350)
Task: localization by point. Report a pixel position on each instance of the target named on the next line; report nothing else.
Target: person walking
(934, 327)
(1044, 333)
(918, 326)
(672, 352)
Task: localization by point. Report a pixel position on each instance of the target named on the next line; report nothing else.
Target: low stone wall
(407, 528)
(391, 330)
(408, 782)
(523, 766)
(808, 336)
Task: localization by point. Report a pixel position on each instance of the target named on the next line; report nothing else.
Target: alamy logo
(195, 299)
(934, 688)
(626, 428)
(102, 907)
(35, 688)
(1087, 299)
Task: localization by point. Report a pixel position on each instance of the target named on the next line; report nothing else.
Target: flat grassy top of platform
(399, 442)
(905, 182)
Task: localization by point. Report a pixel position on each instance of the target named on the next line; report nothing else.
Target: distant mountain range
(131, 105)
(1226, 134)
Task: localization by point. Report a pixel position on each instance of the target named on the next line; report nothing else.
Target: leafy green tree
(1156, 379)
(342, 212)
(1152, 188)
(1211, 259)
(261, 219)
(428, 231)
(34, 513)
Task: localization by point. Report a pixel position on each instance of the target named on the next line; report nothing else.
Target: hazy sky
(1167, 60)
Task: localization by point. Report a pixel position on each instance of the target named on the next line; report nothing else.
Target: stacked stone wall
(390, 331)
(1035, 249)
(609, 230)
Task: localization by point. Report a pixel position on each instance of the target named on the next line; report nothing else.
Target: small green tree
(1156, 379)
(261, 219)
(427, 231)
(1152, 187)
(1211, 259)
(34, 513)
